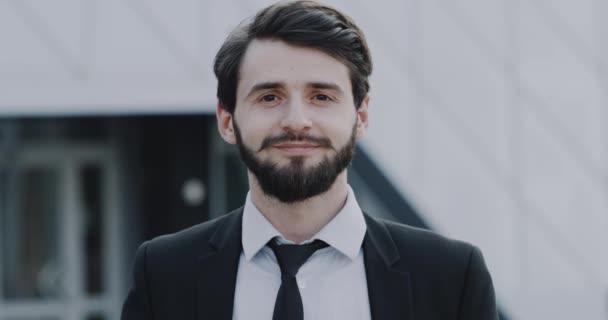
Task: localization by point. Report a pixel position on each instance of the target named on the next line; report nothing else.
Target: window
(30, 238)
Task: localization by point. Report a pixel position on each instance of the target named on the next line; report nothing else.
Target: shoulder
(426, 248)
(191, 241)
(449, 277)
(404, 234)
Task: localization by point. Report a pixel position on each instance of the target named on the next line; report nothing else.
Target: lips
(289, 141)
(295, 145)
(296, 148)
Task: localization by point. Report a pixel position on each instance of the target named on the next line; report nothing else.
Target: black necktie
(291, 257)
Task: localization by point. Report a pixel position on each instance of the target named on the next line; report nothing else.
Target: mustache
(291, 137)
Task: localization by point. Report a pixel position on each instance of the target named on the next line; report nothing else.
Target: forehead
(268, 60)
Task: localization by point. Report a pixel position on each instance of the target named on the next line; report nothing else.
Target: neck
(301, 220)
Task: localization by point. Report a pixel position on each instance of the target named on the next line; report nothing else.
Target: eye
(269, 98)
(322, 97)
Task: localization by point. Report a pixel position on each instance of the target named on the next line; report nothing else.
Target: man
(292, 89)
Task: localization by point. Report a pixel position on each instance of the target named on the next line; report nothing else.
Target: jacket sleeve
(137, 303)
(477, 301)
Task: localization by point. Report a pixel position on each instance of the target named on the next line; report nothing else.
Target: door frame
(67, 158)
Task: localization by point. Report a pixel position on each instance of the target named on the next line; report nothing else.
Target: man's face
(295, 121)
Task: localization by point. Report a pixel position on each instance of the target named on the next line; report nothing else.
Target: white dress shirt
(332, 282)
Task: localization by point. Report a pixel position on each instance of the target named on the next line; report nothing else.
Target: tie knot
(292, 256)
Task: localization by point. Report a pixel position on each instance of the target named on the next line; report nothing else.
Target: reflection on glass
(96, 316)
(91, 199)
(29, 231)
(30, 318)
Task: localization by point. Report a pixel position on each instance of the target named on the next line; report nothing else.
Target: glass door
(59, 245)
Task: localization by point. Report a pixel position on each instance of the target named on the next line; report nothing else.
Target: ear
(362, 117)
(224, 124)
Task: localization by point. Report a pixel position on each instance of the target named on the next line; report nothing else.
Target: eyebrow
(265, 86)
(277, 85)
(325, 85)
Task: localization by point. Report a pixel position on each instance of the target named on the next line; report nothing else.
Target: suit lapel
(218, 268)
(388, 283)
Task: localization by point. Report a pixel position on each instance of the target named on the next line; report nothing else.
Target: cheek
(339, 129)
(253, 129)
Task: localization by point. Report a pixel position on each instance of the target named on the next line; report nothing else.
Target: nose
(295, 117)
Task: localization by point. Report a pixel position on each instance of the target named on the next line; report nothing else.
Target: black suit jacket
(411, 274)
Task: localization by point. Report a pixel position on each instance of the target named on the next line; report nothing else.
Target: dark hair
(301, 23)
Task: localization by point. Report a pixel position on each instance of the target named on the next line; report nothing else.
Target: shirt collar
(345, 232)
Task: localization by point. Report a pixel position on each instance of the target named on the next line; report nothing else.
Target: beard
(294, 182)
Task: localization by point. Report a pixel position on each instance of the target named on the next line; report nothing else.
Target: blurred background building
(489, 123)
